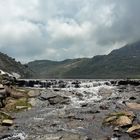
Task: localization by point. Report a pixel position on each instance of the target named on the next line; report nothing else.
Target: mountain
(9, 65)
(120, 63)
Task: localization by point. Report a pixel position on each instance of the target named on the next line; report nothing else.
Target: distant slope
(121, 63)
(54, 69)
(9, 65)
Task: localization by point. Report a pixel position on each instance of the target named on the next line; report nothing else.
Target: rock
(134, 131)
(73, 117)
(72, 137)
(46, 137)
(130, 114)
(1, 86)
(84, 104)
(135, 106)
(59, 100)
(104, 92)
(21, 107)
(17, 104)
(104, 107)
(4, 115)
(3, 95)
(133, 128)
(54, 99)
(132, 98)
(33, 93)
(7, 122)
(5, 136)
(76, 84)
(116, 129)
(46, 96)
(110, 119)
(17, 94)
(56, 90)
(5, 119)
(79, 95)
(129, 82)
(32, 101)
(119, 118)
(62, 85)
(123, 121)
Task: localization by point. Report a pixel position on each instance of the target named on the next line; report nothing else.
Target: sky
(62, 29)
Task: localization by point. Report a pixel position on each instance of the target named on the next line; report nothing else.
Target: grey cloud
(50, 29)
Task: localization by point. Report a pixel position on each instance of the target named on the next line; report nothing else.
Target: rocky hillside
(121, 63)
(8, 64)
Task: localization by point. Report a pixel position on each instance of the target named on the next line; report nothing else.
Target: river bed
(73, 110)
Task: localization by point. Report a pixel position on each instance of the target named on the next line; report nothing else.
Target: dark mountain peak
(128, 50)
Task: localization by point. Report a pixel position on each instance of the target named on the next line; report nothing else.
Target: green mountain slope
(54, 69)
(121, 63)
(9, 65)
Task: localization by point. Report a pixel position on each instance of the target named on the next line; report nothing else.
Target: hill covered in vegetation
(120, 63)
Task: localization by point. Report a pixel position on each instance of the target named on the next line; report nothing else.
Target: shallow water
(82, 115)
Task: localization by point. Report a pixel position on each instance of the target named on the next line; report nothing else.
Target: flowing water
(89, 102)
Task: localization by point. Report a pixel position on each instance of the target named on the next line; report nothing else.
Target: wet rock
(132, 98)
(59, 100)
(47, 95)
(5, 136)
(104, 92)
(79, 95)
(76, 84)
(54, 99)
(92, 111)
(62, 85)
(129, 82)
(84, 105)
(104, 107)
(56, 89)
(73, 117)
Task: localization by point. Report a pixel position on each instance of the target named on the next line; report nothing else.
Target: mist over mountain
(120, 63)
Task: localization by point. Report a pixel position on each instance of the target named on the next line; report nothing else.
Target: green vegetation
(9, 65)
(121, 63)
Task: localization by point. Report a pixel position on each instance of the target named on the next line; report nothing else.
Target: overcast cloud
(61, 29)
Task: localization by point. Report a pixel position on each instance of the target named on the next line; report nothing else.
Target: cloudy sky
(60, 29)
